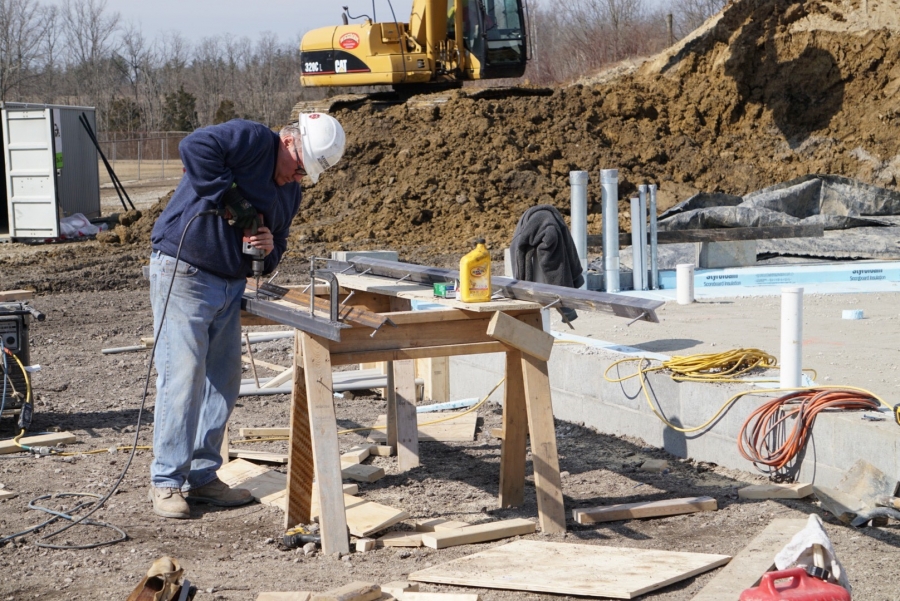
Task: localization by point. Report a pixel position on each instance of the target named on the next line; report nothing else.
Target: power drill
(257, 255)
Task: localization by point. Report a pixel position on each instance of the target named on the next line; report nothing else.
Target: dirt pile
(766, 91)
(770, 90)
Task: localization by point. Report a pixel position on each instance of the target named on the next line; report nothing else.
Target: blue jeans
(198, 364)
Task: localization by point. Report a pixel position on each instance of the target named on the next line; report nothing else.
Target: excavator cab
(494, 37)
(444, 43)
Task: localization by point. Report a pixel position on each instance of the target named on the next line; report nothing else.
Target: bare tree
(690, 14)
(22, 33)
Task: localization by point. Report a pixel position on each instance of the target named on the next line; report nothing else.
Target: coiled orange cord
(768, 424)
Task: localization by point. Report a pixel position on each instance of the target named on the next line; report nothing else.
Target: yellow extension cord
(725, 367)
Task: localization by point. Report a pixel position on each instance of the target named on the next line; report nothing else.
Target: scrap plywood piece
(512, 332)
(41, 440)
(258, 456)
(355, 591)
(357, 454)
(266, 485)
(398, 587)
(401, 539)
(361, 473)
(754, 560)
(366, 517)
(796, 490)
(418, 596)
(439, 524)
(291, 596)
(264, 432)
(459, 428)
(380, 450)
(572, 569)
(16, 295)
(479, 533)
(644, 509)
(6, 494)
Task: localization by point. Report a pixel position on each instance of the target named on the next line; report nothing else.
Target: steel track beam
(295, 318)
(546, 294)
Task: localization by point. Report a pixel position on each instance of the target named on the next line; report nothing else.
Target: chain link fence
(141, 156)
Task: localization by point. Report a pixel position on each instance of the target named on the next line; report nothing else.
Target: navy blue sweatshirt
(215, 157)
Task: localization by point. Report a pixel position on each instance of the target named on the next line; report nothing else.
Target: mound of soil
(767, 91)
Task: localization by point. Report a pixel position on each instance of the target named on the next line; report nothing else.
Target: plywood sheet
(457, 429)
(421, 292)
(571, 569)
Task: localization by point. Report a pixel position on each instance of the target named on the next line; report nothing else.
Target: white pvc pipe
(654, 248)
(637, 258)
(642, 189)
(609, 195)
(791, 337)
(684, 283)
(578, 180)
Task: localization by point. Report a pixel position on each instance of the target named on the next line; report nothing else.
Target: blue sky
(197, 19)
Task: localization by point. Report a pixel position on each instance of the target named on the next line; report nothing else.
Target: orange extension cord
(766, 425)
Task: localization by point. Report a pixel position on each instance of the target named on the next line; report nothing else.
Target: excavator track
(414, 99)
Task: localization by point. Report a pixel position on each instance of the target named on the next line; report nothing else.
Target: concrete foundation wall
(581, 394)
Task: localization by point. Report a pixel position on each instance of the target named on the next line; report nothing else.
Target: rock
(309, 548)
(655, 466)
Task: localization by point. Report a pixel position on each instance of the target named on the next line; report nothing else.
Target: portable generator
(15, 398)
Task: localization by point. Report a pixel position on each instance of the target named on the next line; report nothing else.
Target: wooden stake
(252, 362)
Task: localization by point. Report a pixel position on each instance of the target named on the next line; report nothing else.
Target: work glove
(240, 213)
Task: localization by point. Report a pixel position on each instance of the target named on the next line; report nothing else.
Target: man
(242, 171)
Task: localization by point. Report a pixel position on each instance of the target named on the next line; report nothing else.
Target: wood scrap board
(571, 569)
(754, 560)
(268, 487)
(459, 429)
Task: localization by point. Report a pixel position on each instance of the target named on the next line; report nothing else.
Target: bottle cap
(479, 240)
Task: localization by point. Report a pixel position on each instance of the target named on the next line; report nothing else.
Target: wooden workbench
(460, 329)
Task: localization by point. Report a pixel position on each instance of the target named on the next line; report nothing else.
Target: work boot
(220, 494)
(168, 503)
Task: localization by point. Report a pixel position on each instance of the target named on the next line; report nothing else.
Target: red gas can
(794, 585)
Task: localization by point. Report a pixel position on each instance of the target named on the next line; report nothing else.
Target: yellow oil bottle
(475, 275)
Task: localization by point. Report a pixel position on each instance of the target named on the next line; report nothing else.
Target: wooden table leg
(390, 394)
(300, 456)
(407, 424)
(551, 511)
(512, 449)
(323, 427)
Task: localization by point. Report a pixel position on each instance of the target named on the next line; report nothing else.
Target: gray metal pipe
(654, 247)
(609, 195)
(637, 260)
(578, 180)
(642, 191)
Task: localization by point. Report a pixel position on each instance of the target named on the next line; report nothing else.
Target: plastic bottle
(475, 275)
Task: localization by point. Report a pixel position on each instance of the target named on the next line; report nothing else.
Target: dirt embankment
(764, 92)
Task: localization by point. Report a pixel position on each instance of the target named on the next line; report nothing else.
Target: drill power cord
(96, 505)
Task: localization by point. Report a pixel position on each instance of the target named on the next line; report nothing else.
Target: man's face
(289, 164)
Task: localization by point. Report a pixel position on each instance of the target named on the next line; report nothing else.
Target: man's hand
(241, 214)
(263, 239)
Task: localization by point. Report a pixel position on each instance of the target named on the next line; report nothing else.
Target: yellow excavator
(445, 43)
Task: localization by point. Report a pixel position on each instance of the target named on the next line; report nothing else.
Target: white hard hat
(322, 143)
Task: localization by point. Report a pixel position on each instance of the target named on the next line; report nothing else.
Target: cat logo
(340, 66)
